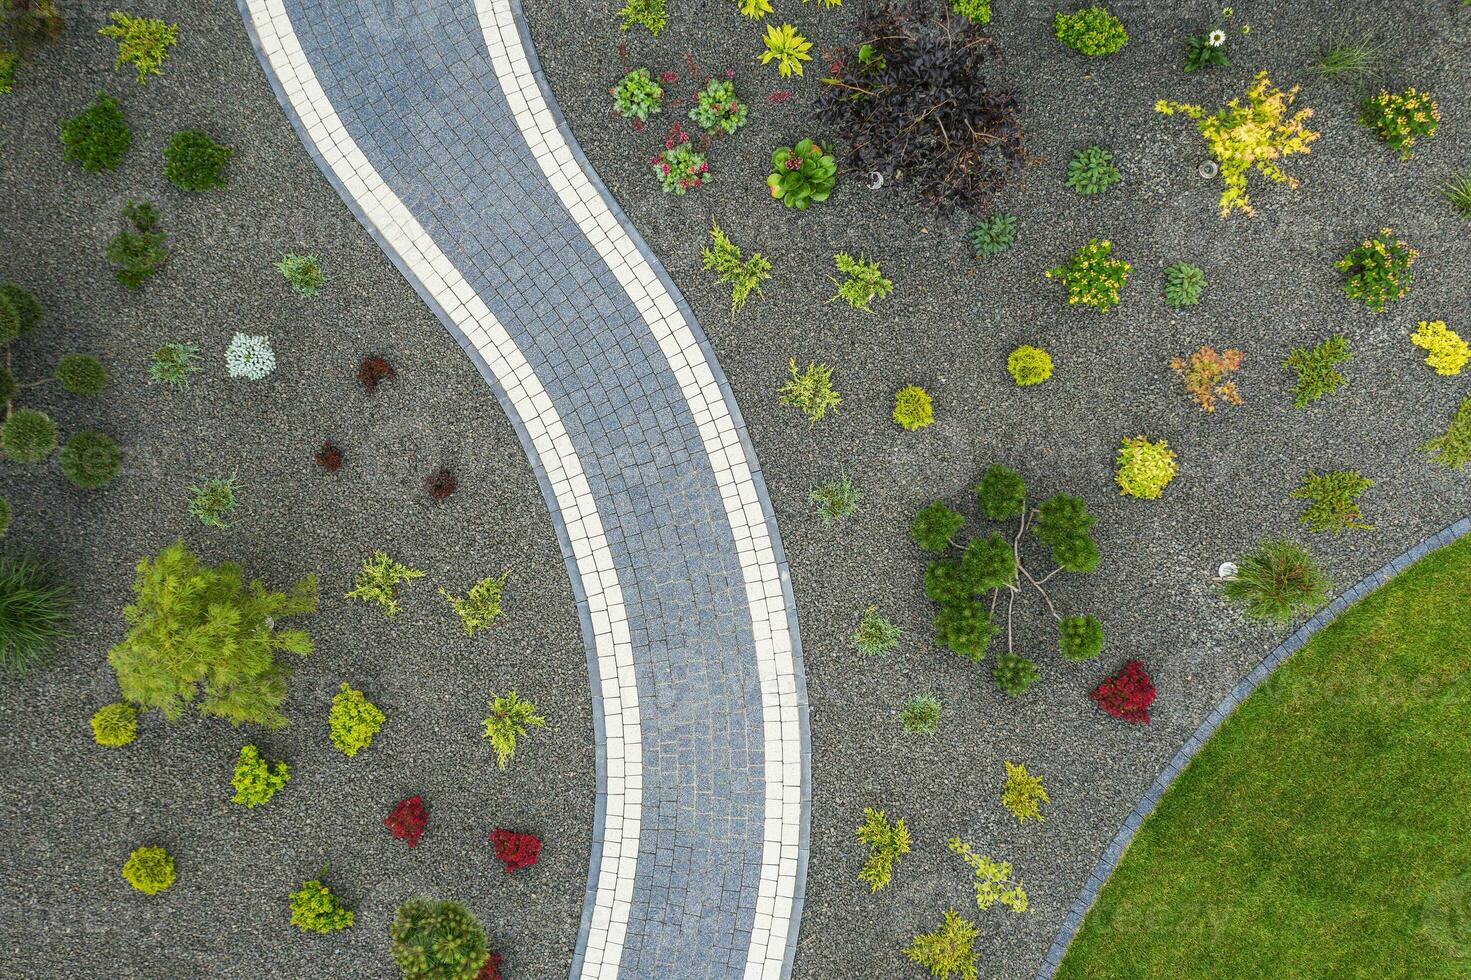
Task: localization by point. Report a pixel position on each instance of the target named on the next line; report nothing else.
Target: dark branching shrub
(934, 526)
(373, 370)
(140, 252)
(1080, 637)
(515, 850)
(1126, 695)
(81, 374)
(1013, 674)
(90, 460)
(1277, 581)
(97, 137)
(194, 162)
(408, 820)
(437, 940)
(33, 612)
(219, 633)
(440, 484)
(921, 108)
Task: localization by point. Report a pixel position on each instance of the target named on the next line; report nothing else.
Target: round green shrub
(934, 526)
(965, 628)
(944, 581)
(1014, 674)
(90, 460)
(28, 436)
(913, 408)
(1002, 492)
(4, 516)
(1091, 31)
(194, 162)
(97, 137)
(8, 385)
(149, 869)
(1080, 637)
(115, 724)
(988, 563)
(26, 306)
(1144, 467)
(1029, 365)
(437, 941)
(33, 613)
(1062, 524)
(81, 374)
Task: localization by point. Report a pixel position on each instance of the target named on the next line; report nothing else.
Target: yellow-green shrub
(913, 408)
(1145, 467)
(1029, 365)
(1448, 352)
(255, 779)
(353, 720)
(115, 724)
(149, 869)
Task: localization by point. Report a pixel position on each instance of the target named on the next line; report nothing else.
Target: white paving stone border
(771, 619)
(395, 226)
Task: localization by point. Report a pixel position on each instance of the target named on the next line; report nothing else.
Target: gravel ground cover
(75, 810)
(949, 325)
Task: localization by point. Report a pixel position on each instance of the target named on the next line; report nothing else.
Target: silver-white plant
(250, 356)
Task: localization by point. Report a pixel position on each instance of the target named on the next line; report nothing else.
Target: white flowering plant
(250, 356)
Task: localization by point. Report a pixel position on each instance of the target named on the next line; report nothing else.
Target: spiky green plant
(887, 842)
(835, 499)
(949, 950)
(481, 606)
(378, 581)
(1453, 448)
(508, 720)
(1092, 171)
(811, 391)
(1276, 581)
(1316, 371)
(1457, 192)
(34, 607)
(1348, 57)
(875, 635)
(1184, 284)
(1333, 500)
(921, 715)
(1014, 674)
(744, 275)
(865, 282)
(215, 500)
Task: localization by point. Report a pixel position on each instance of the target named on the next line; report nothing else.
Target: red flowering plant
(679, 167)
(408, 820)
(372, 370)
(514, 849)
(1126, 695)
(492, 968)
(329, 457)
(440, 484)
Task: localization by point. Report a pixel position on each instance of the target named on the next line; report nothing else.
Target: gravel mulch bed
(949, 325)
(74, 809)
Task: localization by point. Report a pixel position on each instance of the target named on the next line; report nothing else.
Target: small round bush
(945, 581)
(1277, 581)
(1080, 637)
(81, 374)
(28, 436)
(27, 308)
(988, 563)
(90, 460)
(115, 724)
(149, 869)
(1014, 674)
(97, 137)
(1029, 365)
(913, 408)
(1145, 467)
(934, 526)
(1091, 31)
(921, 715)
(33, 613)
(1002, 492)
(965, 628)
(437, 941)
(194, 162)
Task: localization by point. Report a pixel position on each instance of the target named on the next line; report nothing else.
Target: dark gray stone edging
(1121, 840)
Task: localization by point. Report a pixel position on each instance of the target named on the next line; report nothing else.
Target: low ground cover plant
(887, 841)
(514, 849)
(875, 634)
(993, 235)
(1401, 119)
(440, 484)
(835, 499)
(314, 908)
(1184, 284)
(329, 456)
(801, 174)
(97, 137)
(353, 720)
(994, 884)
(1253, 136)
(1378, 270)
(646, 13)
(480, 607)
(1145, 467)
(1126, 695)
(255, 779)
(1446, 353)
(717, 109)
(919, 99)
(1091, 31)
(142, 42)
(194, 162)
(787, 48)
(378, 581)
(250, 356)
(1332, 500)
(1317, 369)
(511, 718)
(921, 715)
(637, 96)
(811, 391)
(214, 501)
(679, 167)
(1092, 171)
(1453, 447)
(1029, 365)
(224, 637)
(303, 272)
(1276, 581)
(149, 869)
(172, 364)
(35, 606)
(1092, 276)
(138, 252)
(115, 724)
(949, 950)
(1207, 376)
(745, 276)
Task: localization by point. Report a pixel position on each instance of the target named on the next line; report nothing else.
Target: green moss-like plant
(1453, 448)
(481, 606)
(28, 436)
(115, 724)
(223, 638)
(1276, 581)
(887, 841)
(1014, 674)
(507, 722)
(378, 581)
(835, 499)
(314, 908)
(5, 515)
(303, 272)
(1080, 637)
(81, 374)
(149, 869)
(255, 779)
(1332, 501)
(194, 162)
(352, 721)
(34, 608)
(91, 460)
(913, 408)
(97, 137)
(920, 715)
(437, 940)
(1029, 365)
(1092, 31)
(1144, 467)
(875, 635)
(1317, 374)
(934, 526)
(142, 42)
(1024, 794)
(1001, 492)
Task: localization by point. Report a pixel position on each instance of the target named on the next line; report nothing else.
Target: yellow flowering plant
(1400, 118)
(1254, 136)
(1378, 270)
(1448, 353)
(1092, 277)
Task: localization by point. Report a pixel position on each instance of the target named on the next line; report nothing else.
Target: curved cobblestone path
(433, 122)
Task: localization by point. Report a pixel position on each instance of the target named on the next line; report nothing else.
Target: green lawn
(1322, 831)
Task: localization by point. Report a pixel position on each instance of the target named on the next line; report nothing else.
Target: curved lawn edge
(1114, 852)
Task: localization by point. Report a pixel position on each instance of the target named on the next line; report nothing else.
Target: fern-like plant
(507, 722)
(887, 842)
(1317, 374)
(744, 275)
(142, 42)
(810, 391)
(864, 284)
(1332, 500)
(378, 581)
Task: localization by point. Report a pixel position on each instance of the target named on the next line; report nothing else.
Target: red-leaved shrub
(492, 968)
(373, 369)
(1127, 694)
(440, 483)
(408, 819)
(329, 457)
(516, 850)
